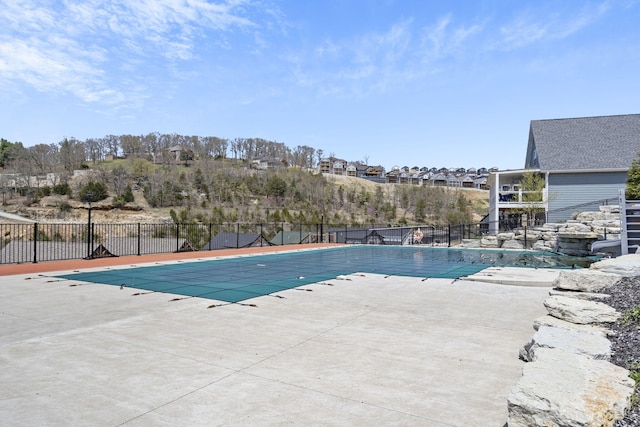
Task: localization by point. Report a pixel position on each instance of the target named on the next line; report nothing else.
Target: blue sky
(397, 82)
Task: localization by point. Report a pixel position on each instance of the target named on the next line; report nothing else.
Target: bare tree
(119, 179)
(112, 144)
(44, 157)
(72, 154)
(131, 145)
(94, 149)
(150, 145)
(319, 154)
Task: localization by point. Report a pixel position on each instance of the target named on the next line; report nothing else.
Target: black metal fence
(36, 242)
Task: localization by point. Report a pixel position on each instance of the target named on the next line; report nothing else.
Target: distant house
(324, 166)
(584, 161)
(393, 176)
(466, 181)
(332, 165)
(339, 167)
(374, 171)
(180, 153)
(439, 179)
(265, 163)
(403, 177)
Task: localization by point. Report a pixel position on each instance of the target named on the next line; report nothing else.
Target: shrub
(93, 192)
(633, 181)
(632, 315)
(62, 189)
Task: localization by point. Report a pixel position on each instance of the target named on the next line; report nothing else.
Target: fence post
(261, 238)
(177, 236)
(448, 235)
(525, 237)
(210, 236)
(237, 235)
(35, 242)
(139, 233)
(89, 232)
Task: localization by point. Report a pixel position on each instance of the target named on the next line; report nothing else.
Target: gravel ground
(625, 344)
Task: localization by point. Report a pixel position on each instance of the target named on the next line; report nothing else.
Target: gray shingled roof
(604, 142)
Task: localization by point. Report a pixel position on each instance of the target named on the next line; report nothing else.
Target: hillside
(231, 192)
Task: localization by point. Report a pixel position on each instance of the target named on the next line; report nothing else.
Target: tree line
(71, 154)
(212, 186)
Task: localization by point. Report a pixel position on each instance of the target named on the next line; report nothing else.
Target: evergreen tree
(633, 182)
(93, 191)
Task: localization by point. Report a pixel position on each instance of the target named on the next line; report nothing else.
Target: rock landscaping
(583, 361)
(573, 237)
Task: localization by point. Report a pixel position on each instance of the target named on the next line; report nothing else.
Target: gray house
(585, 161)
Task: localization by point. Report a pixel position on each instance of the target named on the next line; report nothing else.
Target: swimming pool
(237, 279)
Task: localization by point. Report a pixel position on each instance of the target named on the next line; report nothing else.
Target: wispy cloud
(72, 46)
(379, 62)
(355, 66)
(410, 51)
(533, 26)
(446, 38)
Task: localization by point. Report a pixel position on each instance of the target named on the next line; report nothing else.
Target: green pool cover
(241, 278)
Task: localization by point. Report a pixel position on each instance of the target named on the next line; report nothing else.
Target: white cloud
(531, 27)
(445, 39)
(75, 46)
(357, 66)
(402, 55)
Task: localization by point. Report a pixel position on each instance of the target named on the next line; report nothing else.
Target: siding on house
(570, 193)
(585, 161)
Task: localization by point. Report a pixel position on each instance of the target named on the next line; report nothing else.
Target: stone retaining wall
(573, 237)
(568, 379)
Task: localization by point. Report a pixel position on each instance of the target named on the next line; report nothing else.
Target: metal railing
(37, 242)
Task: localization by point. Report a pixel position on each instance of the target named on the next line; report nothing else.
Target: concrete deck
(366, 351)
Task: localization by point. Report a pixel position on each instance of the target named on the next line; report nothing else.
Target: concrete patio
(369, 350)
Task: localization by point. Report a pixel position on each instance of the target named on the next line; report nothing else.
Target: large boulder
(625, 265)
(585, 280)
(593, 345)
(549, 320)
(564, 389)
(512, 244)
(543, 245)
(592, 296)
(580, 311)
(489, 242)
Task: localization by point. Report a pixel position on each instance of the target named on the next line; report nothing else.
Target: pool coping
(75, 264)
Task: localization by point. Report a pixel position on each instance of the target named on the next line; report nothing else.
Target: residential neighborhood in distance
(459, 177)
